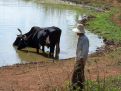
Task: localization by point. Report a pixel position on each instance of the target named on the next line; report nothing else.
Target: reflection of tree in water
(77, 17)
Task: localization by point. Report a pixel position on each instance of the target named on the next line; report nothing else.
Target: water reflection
(19, 14)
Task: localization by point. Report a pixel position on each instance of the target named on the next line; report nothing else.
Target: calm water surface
(19, 14)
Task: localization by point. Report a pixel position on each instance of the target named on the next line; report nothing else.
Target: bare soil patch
(117, 18)
(46, 76)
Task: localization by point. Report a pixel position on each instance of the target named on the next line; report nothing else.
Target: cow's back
(32, 35)
(54, 34)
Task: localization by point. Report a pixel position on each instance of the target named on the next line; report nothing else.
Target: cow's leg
(52, 47)
(57, 51)
(37, 50)
(43, 49)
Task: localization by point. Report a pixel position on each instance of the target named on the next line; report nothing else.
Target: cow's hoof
(51, 56)
(57, 57)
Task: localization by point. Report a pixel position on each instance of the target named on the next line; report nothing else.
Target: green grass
(105, 27)
(109, 84)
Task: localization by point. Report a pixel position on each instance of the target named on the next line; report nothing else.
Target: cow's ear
(19, 35)
(24, 36)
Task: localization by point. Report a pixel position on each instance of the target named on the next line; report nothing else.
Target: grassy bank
(104, 26)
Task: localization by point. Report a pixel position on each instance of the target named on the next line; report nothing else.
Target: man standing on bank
(82, 50)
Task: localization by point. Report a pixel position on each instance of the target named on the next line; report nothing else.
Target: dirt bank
(46, 76)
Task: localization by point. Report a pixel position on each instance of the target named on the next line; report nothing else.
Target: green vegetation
(104, 26)
(109, 84)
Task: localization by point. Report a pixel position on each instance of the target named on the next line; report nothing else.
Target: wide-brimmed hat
(79, 29)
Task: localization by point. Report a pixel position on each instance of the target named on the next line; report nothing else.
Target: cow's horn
(20, 31)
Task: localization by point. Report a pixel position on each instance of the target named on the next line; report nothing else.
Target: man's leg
(78, 77)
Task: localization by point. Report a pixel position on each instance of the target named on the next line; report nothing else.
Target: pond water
(20, 14)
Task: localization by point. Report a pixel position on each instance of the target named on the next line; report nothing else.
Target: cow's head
(21, 41)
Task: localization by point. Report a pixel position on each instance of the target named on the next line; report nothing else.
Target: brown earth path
(117, 17)
(46, 76)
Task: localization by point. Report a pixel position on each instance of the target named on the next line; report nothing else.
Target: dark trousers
(78, 77)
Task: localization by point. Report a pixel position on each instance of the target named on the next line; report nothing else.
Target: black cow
(37, 37)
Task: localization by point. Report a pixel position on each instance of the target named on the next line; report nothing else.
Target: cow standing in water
(37, 37)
